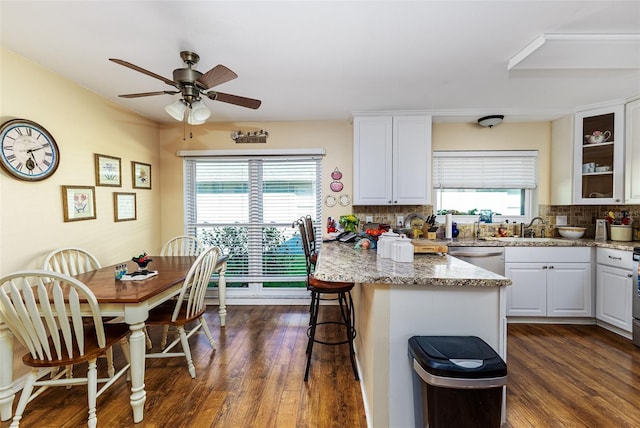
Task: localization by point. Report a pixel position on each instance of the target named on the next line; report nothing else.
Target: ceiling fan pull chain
(184, 129)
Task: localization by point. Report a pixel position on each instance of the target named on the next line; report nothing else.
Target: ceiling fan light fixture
(199, 112)
(192, 120)
(491, 121)
(176, 110)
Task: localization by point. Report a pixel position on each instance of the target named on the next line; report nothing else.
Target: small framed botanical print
(124, 206)
(108, 171)
(78, 203)
(141, 175)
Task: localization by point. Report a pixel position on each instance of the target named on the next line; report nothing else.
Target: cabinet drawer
(547, 254)
(616, 258)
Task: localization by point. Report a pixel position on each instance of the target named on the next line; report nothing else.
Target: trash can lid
(457, 356)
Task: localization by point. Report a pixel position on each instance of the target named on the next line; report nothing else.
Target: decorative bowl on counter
(571, 232)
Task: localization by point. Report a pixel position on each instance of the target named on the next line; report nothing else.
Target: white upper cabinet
(632, 162)
(598, 156)
(392, 160)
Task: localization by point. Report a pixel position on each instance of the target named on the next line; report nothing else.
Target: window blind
(247, 207)
(485, 170)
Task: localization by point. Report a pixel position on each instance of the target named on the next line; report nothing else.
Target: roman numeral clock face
(29, 152)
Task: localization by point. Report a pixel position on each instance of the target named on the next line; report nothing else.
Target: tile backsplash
(577, 215)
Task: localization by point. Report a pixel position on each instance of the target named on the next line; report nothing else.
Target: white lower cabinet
(614, 288)
(527, 295)
(549, 282)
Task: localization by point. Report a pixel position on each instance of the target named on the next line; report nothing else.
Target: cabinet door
(632, 144)
(412, 160)
(614, 296)
(569, 290)
(527, 295)
(373, 161)
(593, 185)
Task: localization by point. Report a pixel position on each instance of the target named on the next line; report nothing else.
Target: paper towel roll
(448, 224)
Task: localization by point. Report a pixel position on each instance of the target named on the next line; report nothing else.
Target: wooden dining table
(129, 299)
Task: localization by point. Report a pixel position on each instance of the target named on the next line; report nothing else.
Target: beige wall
(506, 136)
(82, 124)
(336, 138)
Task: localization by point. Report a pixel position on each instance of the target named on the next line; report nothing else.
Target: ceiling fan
(192, 85)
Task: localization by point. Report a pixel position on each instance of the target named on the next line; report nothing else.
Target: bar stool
(311, 237)
(319, 288)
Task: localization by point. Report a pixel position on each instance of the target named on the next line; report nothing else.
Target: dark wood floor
(559, 376)
(571, 376)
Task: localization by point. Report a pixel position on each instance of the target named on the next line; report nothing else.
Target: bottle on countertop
(331, 225)
(454, 230)
(502, 229)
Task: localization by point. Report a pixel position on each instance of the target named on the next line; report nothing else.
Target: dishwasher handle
(472, 254)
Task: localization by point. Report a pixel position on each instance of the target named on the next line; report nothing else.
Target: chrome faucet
(524, 228)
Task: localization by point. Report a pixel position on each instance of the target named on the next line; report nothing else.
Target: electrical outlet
(369, 219)
(400, 220)
(561, 220)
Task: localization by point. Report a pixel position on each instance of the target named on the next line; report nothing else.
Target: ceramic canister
(385, 242)
(402, 250)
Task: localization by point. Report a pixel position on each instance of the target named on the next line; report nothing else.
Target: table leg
(222, 294)
(137, 349)
(6, 372)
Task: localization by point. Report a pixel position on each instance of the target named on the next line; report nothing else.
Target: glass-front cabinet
(599, 151)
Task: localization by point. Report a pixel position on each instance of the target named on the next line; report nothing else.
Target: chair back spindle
(71, 261)
(182, 246)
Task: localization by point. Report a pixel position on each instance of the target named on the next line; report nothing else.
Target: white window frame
(530, 198)
(254, 293)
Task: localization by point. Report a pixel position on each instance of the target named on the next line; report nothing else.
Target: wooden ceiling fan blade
(216, 76)
(234, 99)
(143, 71)
(148, 94)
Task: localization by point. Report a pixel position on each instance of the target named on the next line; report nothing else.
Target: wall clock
(28, 150)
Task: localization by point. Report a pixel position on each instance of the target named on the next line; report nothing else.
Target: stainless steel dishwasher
(489, 258)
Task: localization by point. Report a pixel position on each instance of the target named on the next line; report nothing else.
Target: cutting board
(426, 246)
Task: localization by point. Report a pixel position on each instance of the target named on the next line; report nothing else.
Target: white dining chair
(188, 307)
(74, 261)
(71, 261)
(182, 245)
(43, 311)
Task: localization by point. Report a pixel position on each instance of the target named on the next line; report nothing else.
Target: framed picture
(141, 175)
(78, 203)
(124, 206)
(108, 171)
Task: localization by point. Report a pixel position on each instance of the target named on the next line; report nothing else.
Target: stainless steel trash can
(459, 380)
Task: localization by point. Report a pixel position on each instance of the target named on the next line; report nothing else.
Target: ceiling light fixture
(198, 111)
(256, 137)
(176, 110)
(491, 121)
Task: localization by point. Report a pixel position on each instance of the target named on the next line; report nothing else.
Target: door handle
(464, 254)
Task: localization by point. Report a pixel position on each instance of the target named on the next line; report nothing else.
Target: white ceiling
(323, 60)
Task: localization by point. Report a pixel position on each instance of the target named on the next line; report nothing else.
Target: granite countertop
(342, 262)
(540, 242)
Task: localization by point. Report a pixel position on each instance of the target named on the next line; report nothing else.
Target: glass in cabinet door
(598, 156)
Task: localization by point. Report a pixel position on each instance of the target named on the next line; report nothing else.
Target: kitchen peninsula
(434, 295)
